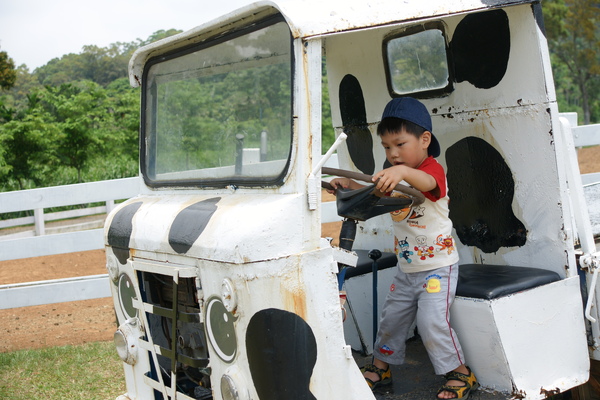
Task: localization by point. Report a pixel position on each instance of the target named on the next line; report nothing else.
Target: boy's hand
(387, 179)
(338, 183)
(343, 183)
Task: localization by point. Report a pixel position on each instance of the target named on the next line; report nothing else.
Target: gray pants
(426, 296)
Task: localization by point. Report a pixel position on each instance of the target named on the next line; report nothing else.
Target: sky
(34, 32)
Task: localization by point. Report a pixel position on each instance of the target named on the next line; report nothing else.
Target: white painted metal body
(514, 344)
(260, 249)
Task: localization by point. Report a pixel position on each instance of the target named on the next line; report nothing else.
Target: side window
(417, 62)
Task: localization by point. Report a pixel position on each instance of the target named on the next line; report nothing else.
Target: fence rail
(12, 248)
(40, 228)
(54, 291)
(25, 245)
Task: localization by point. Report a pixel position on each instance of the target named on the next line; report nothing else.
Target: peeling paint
(549, 392)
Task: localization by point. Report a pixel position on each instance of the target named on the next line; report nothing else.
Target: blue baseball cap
(413, 110)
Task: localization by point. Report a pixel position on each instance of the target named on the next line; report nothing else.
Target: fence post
(110, 205)
(38, 217)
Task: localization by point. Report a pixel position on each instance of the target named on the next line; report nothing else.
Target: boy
(425, 283)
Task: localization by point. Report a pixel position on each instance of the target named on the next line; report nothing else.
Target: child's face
(403, 148)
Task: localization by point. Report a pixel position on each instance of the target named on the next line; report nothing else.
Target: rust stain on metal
(299, 304)
(549, 393)
(306, 79)
(294, 296)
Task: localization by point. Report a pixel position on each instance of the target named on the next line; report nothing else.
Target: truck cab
(222, 283)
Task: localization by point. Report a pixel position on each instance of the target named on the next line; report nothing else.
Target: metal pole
(374, 255)
(239, 153)
(263, 146)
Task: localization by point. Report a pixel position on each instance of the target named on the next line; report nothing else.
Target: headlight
(233, 385)
(228, 389)
(126, 340)
(228, 295)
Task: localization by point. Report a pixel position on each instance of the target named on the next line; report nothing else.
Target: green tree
(71, 133)
(158, 35)
(8, 75)
(5, 115)
(26, 83)
(24, 143)
(573, 30)
(119, 131)
(102, 65)
(81, 124)
(25, 147)
(327, 132)
(77, 111)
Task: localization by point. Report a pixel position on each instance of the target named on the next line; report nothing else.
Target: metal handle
(591, 294)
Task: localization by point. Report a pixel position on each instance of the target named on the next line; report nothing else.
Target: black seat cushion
(493, 281)
(364, 264)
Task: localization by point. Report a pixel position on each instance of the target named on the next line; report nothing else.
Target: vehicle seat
(513, 323)
(494, 281)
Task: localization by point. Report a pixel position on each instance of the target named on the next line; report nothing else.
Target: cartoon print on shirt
(445, 243)
(400, 215)
(402, 249)
(422, 249)
(418, 211)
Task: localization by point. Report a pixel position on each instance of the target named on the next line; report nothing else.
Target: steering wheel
(367, 202)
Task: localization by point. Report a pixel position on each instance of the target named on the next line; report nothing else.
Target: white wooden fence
(41, 243)
(13, 247)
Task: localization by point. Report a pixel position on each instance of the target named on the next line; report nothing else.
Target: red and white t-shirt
(424, 233)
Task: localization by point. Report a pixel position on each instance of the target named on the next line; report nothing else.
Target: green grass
(90, 371)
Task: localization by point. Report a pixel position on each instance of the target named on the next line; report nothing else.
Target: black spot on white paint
(119, 232)
(539, 18)
(354, 121)
(282, 352)
(480, 48)
(481, 190)
(190, 223)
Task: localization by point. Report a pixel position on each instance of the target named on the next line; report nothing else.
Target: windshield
(220, 114)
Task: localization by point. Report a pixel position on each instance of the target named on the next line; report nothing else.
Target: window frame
(437, 25)
(147, 142)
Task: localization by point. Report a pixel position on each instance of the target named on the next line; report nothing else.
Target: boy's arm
(388, 178)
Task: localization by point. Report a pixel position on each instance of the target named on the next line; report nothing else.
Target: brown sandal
(385, 376)
(461, 392)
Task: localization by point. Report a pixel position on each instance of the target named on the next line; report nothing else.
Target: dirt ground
(589, 159)
(94, 320)
(55, 324)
